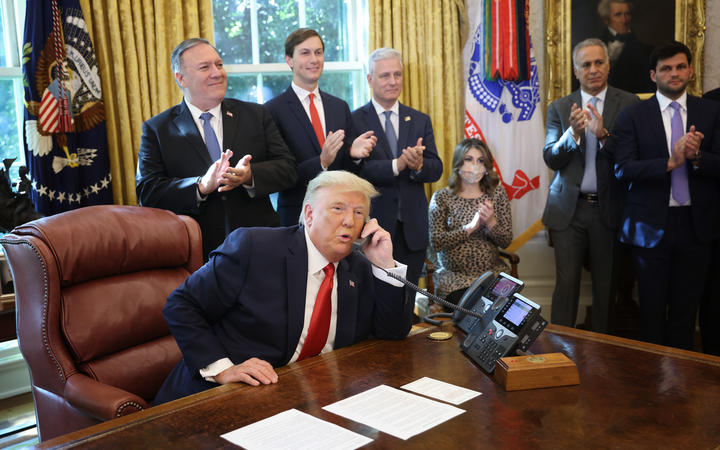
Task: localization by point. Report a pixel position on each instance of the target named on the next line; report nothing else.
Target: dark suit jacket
(567, 159)
(642, 155)
(631, 70)
(298, 133)
(249, 301)
(173, 155)
(408, 185)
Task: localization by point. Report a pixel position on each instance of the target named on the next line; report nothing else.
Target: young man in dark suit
(212, 158)
(315, 125)
(584, 201)
(273, 296)
(668, 151)
(404, 159)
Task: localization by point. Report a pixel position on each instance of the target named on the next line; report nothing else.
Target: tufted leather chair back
(90, 286)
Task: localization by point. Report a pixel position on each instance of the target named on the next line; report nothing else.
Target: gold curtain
(430, 35)
(133, 40)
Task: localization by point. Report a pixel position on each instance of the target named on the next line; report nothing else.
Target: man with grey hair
(212, 158)
(404, 159)
(629, 57)
(583, 205)
(272, 296)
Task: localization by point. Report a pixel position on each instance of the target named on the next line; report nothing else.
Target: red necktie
(315, 119)
(320, 320)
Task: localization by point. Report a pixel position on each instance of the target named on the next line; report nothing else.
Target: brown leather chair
(90, 286)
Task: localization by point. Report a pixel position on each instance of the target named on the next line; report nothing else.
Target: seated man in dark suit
(668, 151)
(272, 296)
(315, 125)
(182, 166)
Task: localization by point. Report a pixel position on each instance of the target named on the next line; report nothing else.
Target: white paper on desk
(441, 390)
(393, 411)
(293, 429)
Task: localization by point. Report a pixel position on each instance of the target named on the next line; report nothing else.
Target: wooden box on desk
(516, 373)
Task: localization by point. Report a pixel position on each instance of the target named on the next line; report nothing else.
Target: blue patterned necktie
(679, 175)
(589, 179)
(390, 133)
(211, 141)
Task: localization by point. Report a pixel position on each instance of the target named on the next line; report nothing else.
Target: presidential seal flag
(65, 140)
(502, 106)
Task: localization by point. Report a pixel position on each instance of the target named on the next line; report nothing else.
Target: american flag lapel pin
(407, 118)
(352, 283)
(228, 113)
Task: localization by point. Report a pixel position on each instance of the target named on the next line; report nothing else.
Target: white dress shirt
(304, 97)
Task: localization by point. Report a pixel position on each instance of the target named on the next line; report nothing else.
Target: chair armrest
(514, 258)
(99, 400)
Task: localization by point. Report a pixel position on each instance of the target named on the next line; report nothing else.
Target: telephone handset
(515, 327)
(485, 297)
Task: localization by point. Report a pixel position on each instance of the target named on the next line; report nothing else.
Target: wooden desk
(631, 395)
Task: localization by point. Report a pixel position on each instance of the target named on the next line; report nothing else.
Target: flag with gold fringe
(502, 106)
(65, 138)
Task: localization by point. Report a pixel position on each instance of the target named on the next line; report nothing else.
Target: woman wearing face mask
(469, 220)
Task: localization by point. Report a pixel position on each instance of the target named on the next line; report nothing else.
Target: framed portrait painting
(631, 29)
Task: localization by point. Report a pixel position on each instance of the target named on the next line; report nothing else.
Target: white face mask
(471, 174)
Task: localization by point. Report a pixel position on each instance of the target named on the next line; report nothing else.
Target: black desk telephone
(497, 320)
(509, 322)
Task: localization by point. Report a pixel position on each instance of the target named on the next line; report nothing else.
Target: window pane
(338, 84)
(276, 19)
(327, 17)
(3, 56)
(242, 87)
(276, 84)
(9, 137)
(245, 87)
(232, 31)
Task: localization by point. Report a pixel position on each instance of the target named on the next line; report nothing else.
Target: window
(250, 36)
(12, 14)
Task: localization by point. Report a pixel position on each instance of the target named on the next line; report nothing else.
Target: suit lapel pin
(407, 118)
(352, 283)
(228, 113)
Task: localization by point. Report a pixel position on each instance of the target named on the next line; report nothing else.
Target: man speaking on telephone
(272, 296)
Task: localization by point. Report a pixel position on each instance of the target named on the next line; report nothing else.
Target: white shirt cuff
(250, 188)
(400, 269)
(394, 167)
(215, 368)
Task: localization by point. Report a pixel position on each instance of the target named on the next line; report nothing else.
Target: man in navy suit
(181, 164)
(256, 304)
(405, 158)
(315, 125)
(668, 151)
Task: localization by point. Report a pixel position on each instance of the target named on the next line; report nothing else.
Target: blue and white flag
(65, 139)
(507, 116)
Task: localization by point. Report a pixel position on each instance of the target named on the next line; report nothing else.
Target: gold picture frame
(689, 28)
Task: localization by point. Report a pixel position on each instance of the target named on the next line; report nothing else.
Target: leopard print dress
(461, 259)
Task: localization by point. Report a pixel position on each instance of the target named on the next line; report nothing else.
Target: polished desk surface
(631, 395)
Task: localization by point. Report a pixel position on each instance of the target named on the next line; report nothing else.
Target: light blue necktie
(211, 141)
(390, 133)
(679, 176)
(589, 180)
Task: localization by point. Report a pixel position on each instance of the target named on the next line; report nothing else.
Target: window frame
(12, 14)
(357, 19)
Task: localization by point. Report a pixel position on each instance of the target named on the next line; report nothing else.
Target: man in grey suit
(584, 199)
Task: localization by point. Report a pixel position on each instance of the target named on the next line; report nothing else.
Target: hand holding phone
(376, 244)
